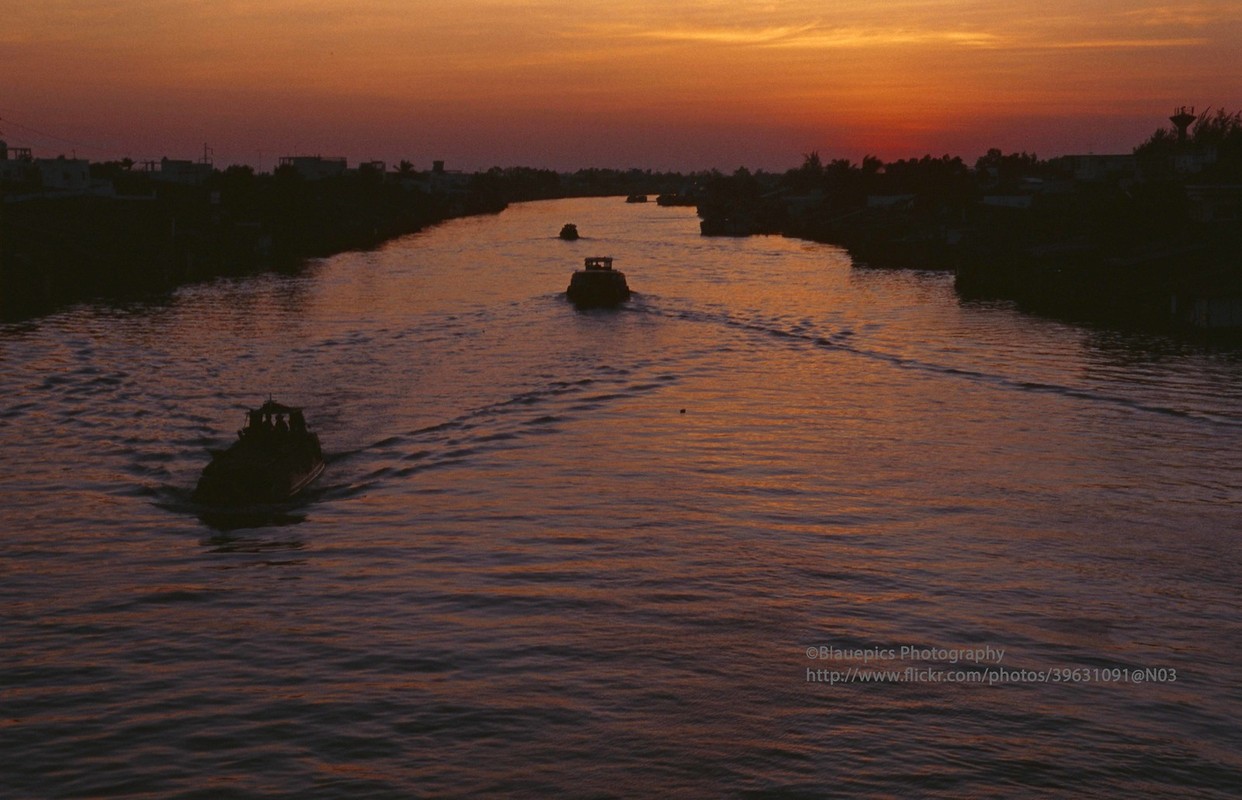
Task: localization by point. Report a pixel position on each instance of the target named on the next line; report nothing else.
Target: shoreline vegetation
(73, 231)
(1151, 239)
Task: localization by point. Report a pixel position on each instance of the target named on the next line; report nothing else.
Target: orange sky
(550, 83)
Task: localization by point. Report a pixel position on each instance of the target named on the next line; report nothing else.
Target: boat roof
(599, 262)
(272, 407)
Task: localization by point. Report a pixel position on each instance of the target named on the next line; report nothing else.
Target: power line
(61, 139)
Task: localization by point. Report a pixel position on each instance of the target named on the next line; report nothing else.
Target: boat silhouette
(598, 284)
(275, 457)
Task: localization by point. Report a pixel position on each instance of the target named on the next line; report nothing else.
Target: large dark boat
(598, 284)
(275, 457)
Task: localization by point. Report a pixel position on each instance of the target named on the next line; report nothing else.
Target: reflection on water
(564, 552)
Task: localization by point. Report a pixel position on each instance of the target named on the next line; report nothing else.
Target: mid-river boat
(598, 284)
(569, 232)
(275, 456)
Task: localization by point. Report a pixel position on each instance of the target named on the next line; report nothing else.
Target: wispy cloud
(878, 37)
(811, 36)
(744, 36)
(1122, 44)
(818, 37)
(1184, 15)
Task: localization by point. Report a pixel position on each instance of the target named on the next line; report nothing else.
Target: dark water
(526, 572)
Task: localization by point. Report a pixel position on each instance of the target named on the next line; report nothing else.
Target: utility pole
(2, 226)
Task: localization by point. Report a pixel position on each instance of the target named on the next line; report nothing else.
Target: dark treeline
(1148, 238)
(514, 184)
(148, 236)
(134, 234)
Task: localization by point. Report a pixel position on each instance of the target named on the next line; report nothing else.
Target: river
(778, 527)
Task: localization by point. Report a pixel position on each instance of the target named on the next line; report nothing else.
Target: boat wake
(809, 337)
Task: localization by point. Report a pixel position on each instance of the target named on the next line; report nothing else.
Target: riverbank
(57, 250)
(121, 233)
(1133, 247)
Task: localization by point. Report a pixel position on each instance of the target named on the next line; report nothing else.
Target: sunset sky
(549, 83)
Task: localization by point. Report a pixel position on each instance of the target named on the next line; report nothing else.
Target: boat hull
(597, 288)
(239, 478)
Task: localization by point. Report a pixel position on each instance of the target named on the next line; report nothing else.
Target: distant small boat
(598, 284)
(569, 232)
(275, 456)
(636, 198)
(675, 199)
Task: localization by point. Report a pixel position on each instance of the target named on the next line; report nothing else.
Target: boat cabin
(275, 457)
(598, 284)
(271, 422)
